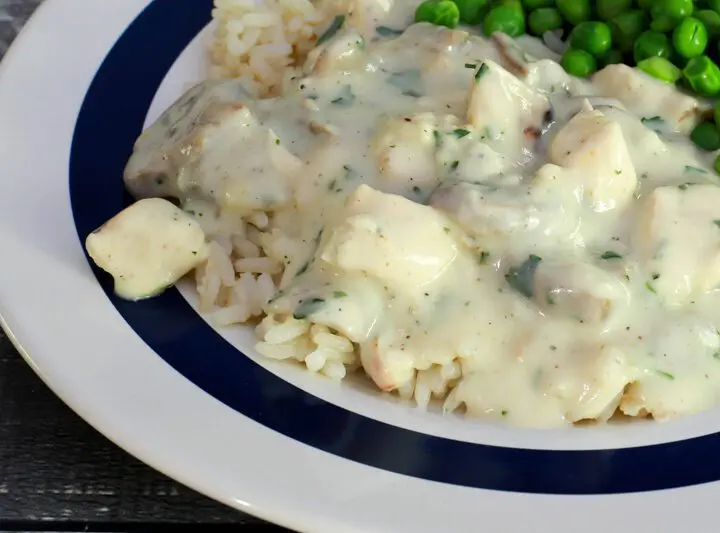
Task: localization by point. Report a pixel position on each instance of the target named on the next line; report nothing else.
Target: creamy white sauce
(456, 201)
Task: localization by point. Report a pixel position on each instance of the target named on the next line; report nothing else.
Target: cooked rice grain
(261, 42)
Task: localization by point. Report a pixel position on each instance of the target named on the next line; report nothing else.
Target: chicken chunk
(571, 383)
(678, 237)
(352, 305)
(366, 15)
(681, 373)
(405, 147)
(461, 155)
(503, 218)
(147, 247)
(390, 368)
(589, 380)
(594, 150)
(503, 106)
(392, 239)
(344, 51)
(204, 145)
(580, 291)
(649, 97)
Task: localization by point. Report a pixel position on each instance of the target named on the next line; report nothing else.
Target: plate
(76, 89)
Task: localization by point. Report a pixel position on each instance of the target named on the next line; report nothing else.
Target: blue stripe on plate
(110, 120)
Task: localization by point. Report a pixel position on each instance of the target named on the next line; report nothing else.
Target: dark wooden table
(59, 474)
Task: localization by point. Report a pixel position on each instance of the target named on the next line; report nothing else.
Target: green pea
(706, 136)
(544, 19)
(690, 37)
(711, 21)
(535, 4)
(438, 12)
(578, 63)
(660, 68)
(593, 37)
(662, 25)
(716, 113)
(667, 14)
(626, 28)
(611, 57)
(714, 5)
(607, 9)
(505, 19)
(574, 11)
(515, 4)
(471, 11)
(650, 44)
(717, 164)
(703, 75)
(645, 4)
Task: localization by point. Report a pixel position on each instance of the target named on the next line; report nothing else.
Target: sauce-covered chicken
(472, 223)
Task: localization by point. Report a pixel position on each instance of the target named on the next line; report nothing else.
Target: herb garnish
(332, 29)
(481, 71)
(521, 278)
(652, 121)
(384, 31)
(346, 97)
(308, 307)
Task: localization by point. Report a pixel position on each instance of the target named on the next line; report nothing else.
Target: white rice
(263, 43)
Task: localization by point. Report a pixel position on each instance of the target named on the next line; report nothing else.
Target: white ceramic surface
(77, 340)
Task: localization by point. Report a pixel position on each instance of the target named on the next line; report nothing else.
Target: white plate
(75, 91)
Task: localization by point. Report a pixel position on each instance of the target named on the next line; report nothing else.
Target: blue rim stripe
(110, 120)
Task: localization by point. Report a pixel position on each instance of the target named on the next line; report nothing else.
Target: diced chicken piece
(563, 384)
(580, 291)
(147, 247)
(366, 15)
(678, 237)
(354, 304)
(594, 148)
(682, 374)
(392, 239)
(485, 211)
(390, 368)
(497, 217)
(210, 144)
(649, 97)
(440, 61)
(468, 159)
(406, 146)
(428, 40)
(589, 381)
(657, 160)
(503, 106)
(343, 52)
(326, 171)
(646, 143)
(486, 393)
(547, 75)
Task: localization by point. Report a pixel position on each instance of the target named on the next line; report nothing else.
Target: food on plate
(147, 247)
(453, 215)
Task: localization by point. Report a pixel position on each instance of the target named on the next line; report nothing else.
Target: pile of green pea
(676, 41)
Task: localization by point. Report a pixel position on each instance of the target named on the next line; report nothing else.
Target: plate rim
(42, 15)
